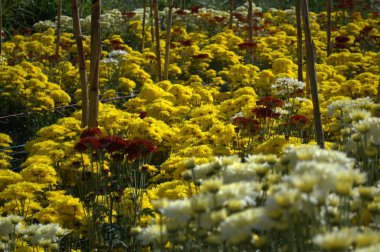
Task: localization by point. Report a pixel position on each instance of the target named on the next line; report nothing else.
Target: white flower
(154, 233)
(373, 125)
(242, 223)
(179, 210)
(116, 53)
(336, 240)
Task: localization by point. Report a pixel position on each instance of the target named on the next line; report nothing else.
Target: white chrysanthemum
(179, 210)
(116, 53)
(373, 126)
(242, 223)
(246, 192)
(286, 86)
(154, 233)
(336, 240)
(357, 115)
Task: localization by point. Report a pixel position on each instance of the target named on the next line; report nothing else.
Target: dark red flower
(270, 102)
(129, 14)
(342, 39)
(143, 114)
(247, 45)
(113, 143)
(201, 56)
(264, 112)
(139, 148)
(195, 9)
(252, 125)
(186, 42)
(81, 147)
(91, 143)
(298, 120)
(91, 132)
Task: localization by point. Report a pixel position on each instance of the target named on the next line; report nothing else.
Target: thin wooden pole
(1, 26)
(329, 27)
(157, 33)
(168, 35)
(250, 27)
(151, 20)
(299, 40)
(232, 6)
(58, 30)
(143, 26)
(378, 97)
(81, 61)
(310, 56)
(94, 65)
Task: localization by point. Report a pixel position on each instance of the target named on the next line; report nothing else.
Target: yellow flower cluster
(26, 84)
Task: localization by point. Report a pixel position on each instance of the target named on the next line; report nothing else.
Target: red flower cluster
(266, 106)
(247, 45)
(270, 102)
(298, 120)
(243, 123)
(116, 146)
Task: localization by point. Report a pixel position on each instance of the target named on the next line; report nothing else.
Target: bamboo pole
(378, 98)
(168, 35)
(1, 26)
(299, 41)
(151, 20)
(250, 21)
(157, 33)
(232, 5)
(329, 27)
(250, 27)
(81, 61)
(310, 56)
(143, 27)
(94, 65)
(58, 30)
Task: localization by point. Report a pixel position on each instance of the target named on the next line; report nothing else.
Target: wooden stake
(250, 27)
(157, 33)
(299, 41)
(329, 27)
(143, 26)
(58, 42)
(1, 26)
(168, 35)
(232, 5)
(310, 56)
(81, 61)
(94, 65)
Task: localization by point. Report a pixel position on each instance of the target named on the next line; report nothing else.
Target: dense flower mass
(220, 155)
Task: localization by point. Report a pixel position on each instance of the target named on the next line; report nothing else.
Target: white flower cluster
(264, 193)
(47, 236)
(287, 86)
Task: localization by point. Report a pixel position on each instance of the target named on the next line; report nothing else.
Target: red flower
(270, 102)
(201, 56)
(143, 114)
(91, 132)
(252, 125)
(247, 45)
(195, 9)
(186, 42)
(265, 112)
(342, 39)
(88, 143)
(113, 143)
(298, 120)
(139, 148)
(129, 14)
